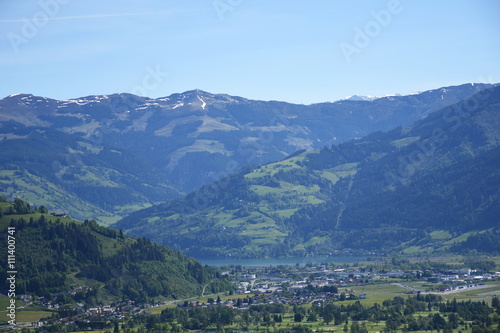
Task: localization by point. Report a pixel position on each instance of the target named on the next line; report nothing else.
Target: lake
(282, 261)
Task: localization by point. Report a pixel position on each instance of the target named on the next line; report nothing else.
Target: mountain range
(105, 157)
(426, 188)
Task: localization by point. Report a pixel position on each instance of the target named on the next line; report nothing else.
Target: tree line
(414, 313)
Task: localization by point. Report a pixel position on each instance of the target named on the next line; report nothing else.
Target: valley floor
(271, 297)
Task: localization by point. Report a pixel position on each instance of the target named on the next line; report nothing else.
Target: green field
(5, 220)
(31, 316)
(272, 168)
(39, 191)
(440, 234)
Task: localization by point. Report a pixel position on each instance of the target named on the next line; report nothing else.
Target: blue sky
(295, 51)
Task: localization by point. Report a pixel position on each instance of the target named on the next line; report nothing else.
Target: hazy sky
(295, 51)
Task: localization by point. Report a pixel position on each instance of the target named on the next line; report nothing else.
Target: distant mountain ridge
(428, 188)
(110, 155)
(360, 98)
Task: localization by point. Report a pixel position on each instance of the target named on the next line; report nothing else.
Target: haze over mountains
(104, 157)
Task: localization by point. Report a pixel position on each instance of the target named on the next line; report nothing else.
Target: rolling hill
(85, 262)
(431, 187)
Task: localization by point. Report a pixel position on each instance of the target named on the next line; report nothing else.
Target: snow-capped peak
(14, 95)
(359, 98)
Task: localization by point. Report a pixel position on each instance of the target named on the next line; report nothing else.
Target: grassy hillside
(422, 189)
(76, 175)
(55, 256)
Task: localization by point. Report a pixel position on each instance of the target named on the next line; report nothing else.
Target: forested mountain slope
(57, 255)
(423, 188)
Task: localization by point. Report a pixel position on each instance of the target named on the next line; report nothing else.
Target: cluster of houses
(270, 286)
(263, 282)
(82, 312)
(86, 314)
(301, 284)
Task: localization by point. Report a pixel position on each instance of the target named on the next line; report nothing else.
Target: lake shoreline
(284, 261)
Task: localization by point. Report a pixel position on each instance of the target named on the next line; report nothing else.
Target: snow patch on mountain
(203, 103)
